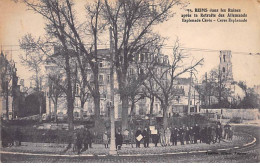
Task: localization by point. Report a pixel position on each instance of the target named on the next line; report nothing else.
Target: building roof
(183, 81)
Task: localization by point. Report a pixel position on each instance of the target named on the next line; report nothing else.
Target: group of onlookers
(82, 140)
(184, 135)
(11, 139)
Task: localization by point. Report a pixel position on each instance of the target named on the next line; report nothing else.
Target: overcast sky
(16, 21)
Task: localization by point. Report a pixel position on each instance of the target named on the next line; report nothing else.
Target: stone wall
(245, 114)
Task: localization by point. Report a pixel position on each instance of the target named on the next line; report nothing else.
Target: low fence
(245, 114)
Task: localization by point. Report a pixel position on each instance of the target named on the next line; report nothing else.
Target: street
(247, 154)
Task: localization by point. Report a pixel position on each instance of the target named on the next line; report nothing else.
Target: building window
(224, 69)
(146, 56)
(77, 90)
(131, 71)
(101, 64)
(224, 58)
(141, 112)
(108, 78)
(101, 79)
(142, 57)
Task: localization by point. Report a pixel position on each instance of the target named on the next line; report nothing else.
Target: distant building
(181, 102)
(141, 107)
(225, 65)
(9, 90)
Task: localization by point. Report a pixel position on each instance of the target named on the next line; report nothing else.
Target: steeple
(225, 64)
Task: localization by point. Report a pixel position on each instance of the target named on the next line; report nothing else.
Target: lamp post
(112, 150)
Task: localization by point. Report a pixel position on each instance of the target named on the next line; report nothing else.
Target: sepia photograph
(130, 81)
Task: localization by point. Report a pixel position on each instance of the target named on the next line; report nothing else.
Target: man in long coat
(86, 139)
(138, 142)
(119, 140)
(146, 137)
(174, 136)
(196, 131)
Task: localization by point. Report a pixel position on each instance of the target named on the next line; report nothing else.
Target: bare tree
(34, 58)
(82, 91)
(62, 26)
(56, 27)
(132, 23)
(221, 86)
(56, 89)
(206, 89)
(139, 72)
(164, 78)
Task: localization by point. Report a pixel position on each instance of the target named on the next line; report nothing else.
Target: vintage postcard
(132, 81)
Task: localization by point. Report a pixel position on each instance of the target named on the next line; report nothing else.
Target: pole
(7, 100)
(194, 99)
(189, 94)
(112, 150)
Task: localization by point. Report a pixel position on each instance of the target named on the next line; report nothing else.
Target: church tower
(225, 64)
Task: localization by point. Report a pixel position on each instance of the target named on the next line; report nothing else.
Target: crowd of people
(82, 140)
(11, 139)
(184, 135)
(172, 136)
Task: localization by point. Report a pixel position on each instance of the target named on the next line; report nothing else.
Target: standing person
(132, 138)
(138, 142)
(203, 135)
(86, 139)
(191, 135)
(146, 137)
(105, 139)
(225, 131)
(181, 133)
(119, 140)
(74, 142)
(209, 131)
(174, 136)
(230, 133)
(218, 133)
(168, 137)
(91, 138)
(156, 138)
(162, 136)
(79, 142)
(17, 137)
(213, 134)
(187, 135)
(196, 132)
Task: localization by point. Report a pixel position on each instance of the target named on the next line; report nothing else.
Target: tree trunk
(151, 109)
(165, 118)
(124, 113)
(132, 111)
(70, 108)
(7, 102)
(132, 108)
(82, 103)
(70, 100)
(55, 111)
(40, 105)
(97, 109)
(96, 95)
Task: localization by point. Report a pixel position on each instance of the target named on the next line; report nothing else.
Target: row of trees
(131, 24)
